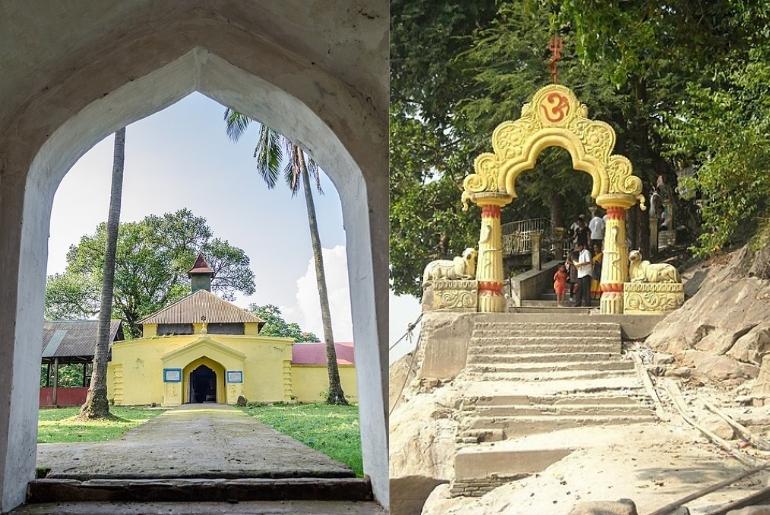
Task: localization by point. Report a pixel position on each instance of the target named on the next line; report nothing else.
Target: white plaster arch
(196, 70)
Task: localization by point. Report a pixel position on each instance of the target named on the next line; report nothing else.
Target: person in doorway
(560, 284)
(583, 266)
(596, 272)
(596, 226)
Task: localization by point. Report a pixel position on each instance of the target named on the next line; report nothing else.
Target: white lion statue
(646, 272)
(452, 269)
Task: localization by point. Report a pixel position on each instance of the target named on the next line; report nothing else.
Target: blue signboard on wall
(234, 376)
(172, 375)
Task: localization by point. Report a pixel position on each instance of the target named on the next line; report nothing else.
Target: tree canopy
(275, 325)
(153, 257)
(684, 84)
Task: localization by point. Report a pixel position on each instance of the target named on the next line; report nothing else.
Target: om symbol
(557, 109)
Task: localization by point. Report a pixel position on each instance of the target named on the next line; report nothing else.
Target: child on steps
(560, 284)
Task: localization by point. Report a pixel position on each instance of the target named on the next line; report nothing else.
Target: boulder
(662, 358)
(720, 368)
(752, 346)
(422, 447)
(621, 507)
(719, 427)
(723, 329)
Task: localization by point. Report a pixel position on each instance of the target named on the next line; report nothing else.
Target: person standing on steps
(583, 266)
(582, 233)
(596, 226)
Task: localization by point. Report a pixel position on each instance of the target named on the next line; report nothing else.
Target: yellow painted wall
(309, 381)
(261, 358)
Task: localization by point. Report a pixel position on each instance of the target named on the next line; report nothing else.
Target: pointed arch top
(554, 117)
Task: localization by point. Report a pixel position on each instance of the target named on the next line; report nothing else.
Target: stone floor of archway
(197, 453)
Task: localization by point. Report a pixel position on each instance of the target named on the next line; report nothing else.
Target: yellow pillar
(615, 252)
(489, 269)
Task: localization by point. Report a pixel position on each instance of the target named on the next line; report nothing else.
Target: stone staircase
(539, 377)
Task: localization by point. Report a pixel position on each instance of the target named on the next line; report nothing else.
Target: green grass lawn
(57, 425)
(333, 430)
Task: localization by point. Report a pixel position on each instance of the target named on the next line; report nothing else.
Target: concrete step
(551, 376)
(552, 309)
(205, 508)
(522, 410)
(616, 364)
(547, 325)
(543, 357)
(544, 333)
(194, 490)
(542, 348)
(516, 426)
(539, 339)
(607, 396)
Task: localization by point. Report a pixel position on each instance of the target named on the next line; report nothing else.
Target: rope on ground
(411, 365)
(707, 490)
(408, 333)
(676, 396)
(749, 500)
(649, 387)
(759, 443)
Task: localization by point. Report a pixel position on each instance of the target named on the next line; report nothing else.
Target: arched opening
(203, 381)
(58, 136)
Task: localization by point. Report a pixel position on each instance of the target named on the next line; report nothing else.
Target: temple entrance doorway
(203, 385)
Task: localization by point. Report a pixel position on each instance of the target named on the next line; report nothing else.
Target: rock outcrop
(723, 330)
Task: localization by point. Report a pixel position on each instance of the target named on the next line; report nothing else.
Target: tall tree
(275, 325)
(96, 405)
(270, 150)
(153, 256)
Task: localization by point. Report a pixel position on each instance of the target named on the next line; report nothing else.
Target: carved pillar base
(489, 268)
(611, 303)
(615, 253)
(652, 298)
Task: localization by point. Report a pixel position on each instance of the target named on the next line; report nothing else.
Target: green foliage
(331, 429)
(275, 325)
(684, 84)
(153, 257)
(59, 425)
(69, 375)
(459, 69)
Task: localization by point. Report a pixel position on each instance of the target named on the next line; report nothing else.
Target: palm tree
(270, 150)
(96, 405)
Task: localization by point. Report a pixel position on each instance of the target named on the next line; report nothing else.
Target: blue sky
(181, 157)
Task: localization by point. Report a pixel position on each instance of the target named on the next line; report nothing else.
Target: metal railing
(517, 240)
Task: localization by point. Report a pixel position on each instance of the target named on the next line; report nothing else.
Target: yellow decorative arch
(554, 117)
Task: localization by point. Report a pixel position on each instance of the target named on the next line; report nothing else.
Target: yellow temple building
(205, 349)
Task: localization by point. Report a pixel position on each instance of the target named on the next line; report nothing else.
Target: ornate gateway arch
(554, 117)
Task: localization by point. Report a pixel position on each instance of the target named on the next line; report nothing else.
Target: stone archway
(554, 117)
(124, 61)
(199, 367)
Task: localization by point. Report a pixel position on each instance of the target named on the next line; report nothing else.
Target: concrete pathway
(193, 441)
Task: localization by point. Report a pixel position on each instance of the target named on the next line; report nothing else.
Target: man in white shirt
(583, 266)
(597, 229)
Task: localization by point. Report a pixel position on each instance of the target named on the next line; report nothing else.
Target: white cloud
(308, 311)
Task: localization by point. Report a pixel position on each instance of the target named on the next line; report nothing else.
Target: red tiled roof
(200, 266)
(315, 353)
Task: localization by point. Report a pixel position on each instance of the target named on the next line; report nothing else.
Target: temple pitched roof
(202, 306)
